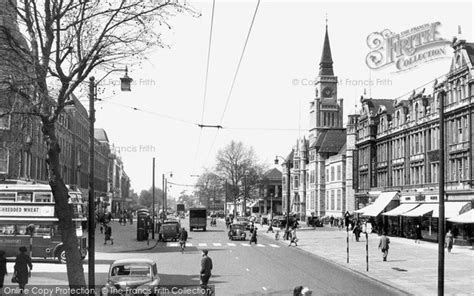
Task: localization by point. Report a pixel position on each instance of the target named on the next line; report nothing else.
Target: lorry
(197, 218)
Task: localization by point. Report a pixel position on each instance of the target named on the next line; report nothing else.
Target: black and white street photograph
(236, 147)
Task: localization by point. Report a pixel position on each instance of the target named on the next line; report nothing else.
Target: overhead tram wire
(235, 77)
(205, 82)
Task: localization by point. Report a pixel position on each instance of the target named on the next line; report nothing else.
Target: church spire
(325, 66)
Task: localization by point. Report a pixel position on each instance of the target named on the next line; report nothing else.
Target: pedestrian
(331, 220)
(384, 245)
(183, 237)
(277, 234)
(270, 228)
(206, 267)
(449, 240)
(22, 268)
(294, 239)
(357, 231)
(253, 238)
(130, 216)
(3, 267)
(108, 235)
(418, 233)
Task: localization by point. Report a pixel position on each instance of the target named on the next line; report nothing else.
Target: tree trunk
(63, 211)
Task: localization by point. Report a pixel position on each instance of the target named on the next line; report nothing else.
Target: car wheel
(61, 256)
(204, 229)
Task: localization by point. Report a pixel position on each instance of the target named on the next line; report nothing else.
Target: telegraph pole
(153, 200)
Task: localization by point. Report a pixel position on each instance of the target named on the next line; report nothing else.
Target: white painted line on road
(260, 245)
(189, 244)
(245, 245)
(237, 258)
(247, 269)
(264, 289)
(231, 244)
(274, 246)
(202, 244)
(217, 244)
(172, 244)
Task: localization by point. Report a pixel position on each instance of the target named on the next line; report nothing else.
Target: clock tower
(326, 109)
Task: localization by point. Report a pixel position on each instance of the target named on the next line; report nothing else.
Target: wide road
(269, 268)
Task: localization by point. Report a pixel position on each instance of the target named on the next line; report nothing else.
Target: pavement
(411, 267)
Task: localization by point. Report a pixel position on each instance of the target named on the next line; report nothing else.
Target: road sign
(368, 227)
(347, 214)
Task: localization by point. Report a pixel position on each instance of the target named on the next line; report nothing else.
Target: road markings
(202, 244)
(172, 244)
(231, 244)
(260, 245)
(247, 269)
(217, 244)
(245, 245)
(274, 246)
(189, 244)
(264, 288)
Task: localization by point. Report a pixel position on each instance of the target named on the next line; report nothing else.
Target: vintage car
(169, 230)
(237, 231)
(132, 277)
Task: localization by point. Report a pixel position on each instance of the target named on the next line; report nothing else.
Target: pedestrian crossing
(218, 244)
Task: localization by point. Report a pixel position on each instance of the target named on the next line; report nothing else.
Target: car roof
(133, 261)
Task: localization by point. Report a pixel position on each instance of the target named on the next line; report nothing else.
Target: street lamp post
(244, 205)
(441, 215)
(153, 202)
(165, 187)
(125, 86)
(288, 191)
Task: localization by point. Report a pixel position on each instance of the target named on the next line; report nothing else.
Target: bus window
(43, 197)
(42, 230)
(21, 229)
(7, 229)
(7, 197)
(24, 196)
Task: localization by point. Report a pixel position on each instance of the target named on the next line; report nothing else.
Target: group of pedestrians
(21, 270)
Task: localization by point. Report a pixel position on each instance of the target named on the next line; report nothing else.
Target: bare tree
(209, 186)
(63, 42)
(237, 163)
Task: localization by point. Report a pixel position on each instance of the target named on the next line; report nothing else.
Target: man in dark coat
(108, 235)
(23, 267)
(206, 267)
(384, 245)
(3, 267)
(253, 238)
(183, 237)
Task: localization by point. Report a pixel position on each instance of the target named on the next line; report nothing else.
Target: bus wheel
(61, 255)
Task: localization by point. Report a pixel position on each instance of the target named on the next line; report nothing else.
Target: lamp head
(276, 159)
(125, 82)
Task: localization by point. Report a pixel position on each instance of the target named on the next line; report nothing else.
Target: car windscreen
(138, 270)
(197, 214)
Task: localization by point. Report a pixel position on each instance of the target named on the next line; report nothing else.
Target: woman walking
(22, 268)
(294, 239)
(449, 240)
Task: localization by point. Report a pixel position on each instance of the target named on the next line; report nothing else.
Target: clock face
(327, 92)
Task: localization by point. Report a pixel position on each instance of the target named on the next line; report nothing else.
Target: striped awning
(403, 208)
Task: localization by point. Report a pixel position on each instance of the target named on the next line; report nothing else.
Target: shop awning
(467, 217)
(421, 210)
(380, 203)
(451, 209)
(403, 208)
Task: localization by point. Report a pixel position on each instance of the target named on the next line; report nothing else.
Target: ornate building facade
(398, 151)
(321, 163)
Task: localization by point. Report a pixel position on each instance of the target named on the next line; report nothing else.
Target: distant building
(321, 164)
(270, 193)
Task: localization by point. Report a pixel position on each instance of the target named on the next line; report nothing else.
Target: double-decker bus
(27, 218)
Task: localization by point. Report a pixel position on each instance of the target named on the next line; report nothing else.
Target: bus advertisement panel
(27, 218)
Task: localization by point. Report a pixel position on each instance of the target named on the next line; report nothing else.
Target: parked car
(132, 277)
(237, 231)
(314, 222)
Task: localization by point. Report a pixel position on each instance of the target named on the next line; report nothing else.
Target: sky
(268, 107)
